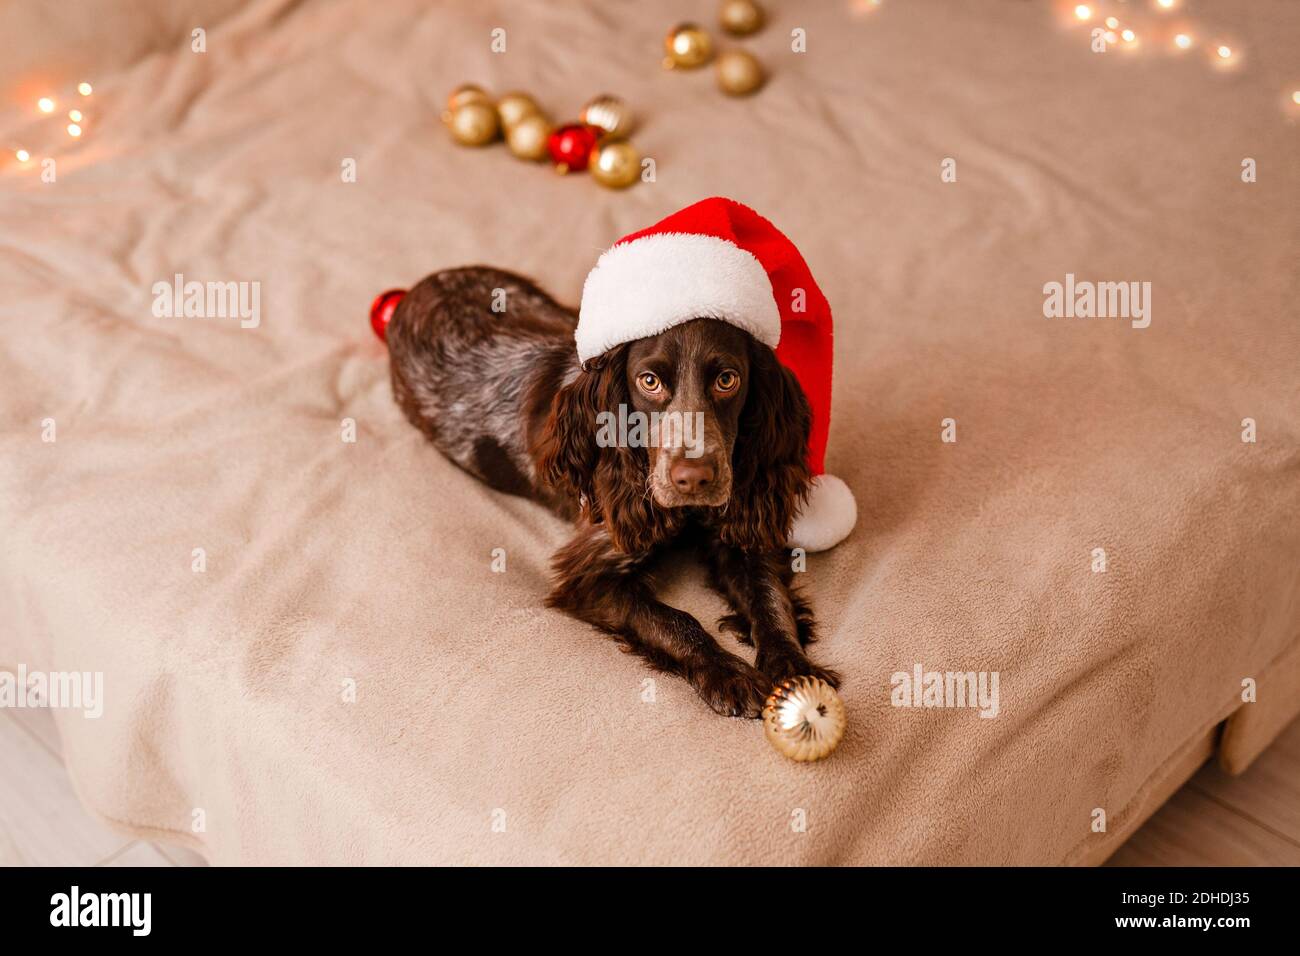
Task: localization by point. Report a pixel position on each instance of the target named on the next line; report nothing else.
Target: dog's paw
(778, 668)
(825, 673)
(738, 626)
(733, 690)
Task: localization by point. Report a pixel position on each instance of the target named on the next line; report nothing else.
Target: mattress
(307, 655)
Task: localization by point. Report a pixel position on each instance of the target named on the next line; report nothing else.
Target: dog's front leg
(609, 590)
(757, 586)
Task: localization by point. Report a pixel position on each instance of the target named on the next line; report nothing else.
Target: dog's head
(700, 416)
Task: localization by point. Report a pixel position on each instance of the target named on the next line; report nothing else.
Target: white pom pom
(828, 516)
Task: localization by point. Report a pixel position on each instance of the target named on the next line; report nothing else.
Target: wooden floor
(1218, 820)
(42, 823)
(1214, 820)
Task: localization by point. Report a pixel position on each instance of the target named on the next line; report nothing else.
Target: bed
(307, 654)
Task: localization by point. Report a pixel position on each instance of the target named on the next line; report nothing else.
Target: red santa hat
(720, 260)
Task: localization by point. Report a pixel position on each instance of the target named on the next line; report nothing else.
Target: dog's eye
(650, 383)
(727, 381)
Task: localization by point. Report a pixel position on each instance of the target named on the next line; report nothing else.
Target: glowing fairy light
(1183, 41)
(45, 104)
(1165, 4)
(1225, 52)
(1112, 22)
(1295, 97)
(22, 155)
(1128, 36)
(84, 88)
(74, 130)
(74, 115)
(1083, 11)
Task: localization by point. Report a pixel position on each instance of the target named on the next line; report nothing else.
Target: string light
(1295, 97)
(48, 104)
(1223, 57)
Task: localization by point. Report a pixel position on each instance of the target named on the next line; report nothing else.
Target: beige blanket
(348, 680)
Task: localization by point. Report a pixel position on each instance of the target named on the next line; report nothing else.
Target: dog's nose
(690, 477)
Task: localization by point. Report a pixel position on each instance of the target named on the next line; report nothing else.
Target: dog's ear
(609, 481)
(770, 476)
(568, 451)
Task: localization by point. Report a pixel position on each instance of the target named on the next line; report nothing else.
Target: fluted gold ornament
(474, 124)
(514, 107)
(615, 165)
(741, 17)
(527, 138)
(610, 114)
(804, 718)
(739, 73)
(462, 95)
(687, 46)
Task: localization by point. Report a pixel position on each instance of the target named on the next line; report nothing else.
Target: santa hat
(720, 260)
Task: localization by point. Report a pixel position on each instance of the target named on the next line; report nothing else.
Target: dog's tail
(382, 309)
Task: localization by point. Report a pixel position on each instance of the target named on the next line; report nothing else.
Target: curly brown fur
(483, 363)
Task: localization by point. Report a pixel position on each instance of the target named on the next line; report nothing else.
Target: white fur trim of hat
(827, 517)
(647, 286)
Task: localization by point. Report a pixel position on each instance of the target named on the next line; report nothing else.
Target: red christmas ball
(571, 146)
(382, 309)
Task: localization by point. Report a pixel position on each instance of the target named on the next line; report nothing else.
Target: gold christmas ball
(465, 93)
(615, 165)
(741, 17)
(804, 718)
(739, 73)
(514, 107)
(474, 124)
(610, 114)
(688, 46)
(527, 138)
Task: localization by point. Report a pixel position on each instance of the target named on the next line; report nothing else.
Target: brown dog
(722, 464)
